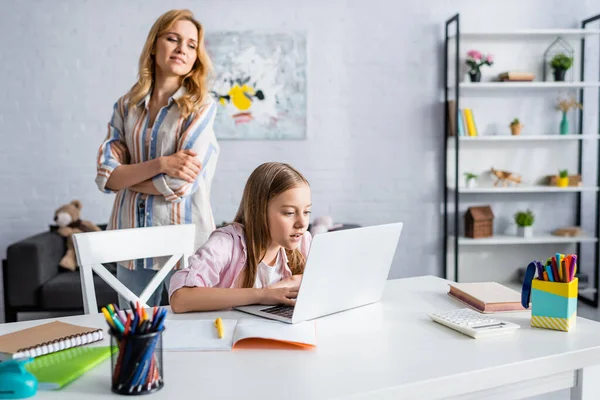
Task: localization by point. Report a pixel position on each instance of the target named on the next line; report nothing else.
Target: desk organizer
(554, 304)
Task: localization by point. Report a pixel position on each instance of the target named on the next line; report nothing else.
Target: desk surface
(389, 348)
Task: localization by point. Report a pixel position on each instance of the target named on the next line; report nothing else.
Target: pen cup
(554, 304)
(137, 365)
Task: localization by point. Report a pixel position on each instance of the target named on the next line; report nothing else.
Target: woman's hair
(266, 181)
(195, 82)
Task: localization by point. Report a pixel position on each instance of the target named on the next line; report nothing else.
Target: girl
(260, 257)
(160, 153)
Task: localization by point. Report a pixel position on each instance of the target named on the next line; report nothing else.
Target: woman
(161, 152)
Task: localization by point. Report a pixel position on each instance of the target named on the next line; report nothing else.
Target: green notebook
(55, 370)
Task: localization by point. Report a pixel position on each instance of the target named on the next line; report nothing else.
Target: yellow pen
(108, 318)
(219, 326)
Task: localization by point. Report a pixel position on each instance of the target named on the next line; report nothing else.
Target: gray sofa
(33, 280)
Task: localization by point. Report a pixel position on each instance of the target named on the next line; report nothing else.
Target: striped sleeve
(113, 151)
(194, 138)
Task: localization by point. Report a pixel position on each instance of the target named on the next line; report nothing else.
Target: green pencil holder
(554, 304)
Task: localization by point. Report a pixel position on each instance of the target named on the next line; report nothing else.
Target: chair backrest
(96, 248)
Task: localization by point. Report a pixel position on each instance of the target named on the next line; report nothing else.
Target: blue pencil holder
(137, 363)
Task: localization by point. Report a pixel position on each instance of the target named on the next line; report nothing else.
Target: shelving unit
(503, 247)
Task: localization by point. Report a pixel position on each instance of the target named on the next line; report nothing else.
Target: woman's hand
(290, 282)
(181, 165)
(278, 296)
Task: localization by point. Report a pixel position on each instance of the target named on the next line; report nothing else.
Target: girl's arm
(146, 187)
(189, 299)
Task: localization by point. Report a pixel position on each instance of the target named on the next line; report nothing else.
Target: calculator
(474, 324)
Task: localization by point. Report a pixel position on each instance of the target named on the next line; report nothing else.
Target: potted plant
(563, 178)
(524, 220)
(564, 105)
(475, 60)
(515, 127)
(471, 180)
(560, 63)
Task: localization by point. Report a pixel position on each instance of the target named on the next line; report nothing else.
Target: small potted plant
(564, 105)
(475, 60)
(524, 220)
(515, 127)
(563, 178)
(471, 180)
(560, 63)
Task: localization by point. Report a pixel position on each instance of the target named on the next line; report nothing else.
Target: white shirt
(267, 275)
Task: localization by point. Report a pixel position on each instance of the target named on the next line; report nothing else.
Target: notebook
(53, 371)
(47, 338)
(487, 297)
(201, 334)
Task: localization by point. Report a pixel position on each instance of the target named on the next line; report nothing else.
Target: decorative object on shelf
(558, 58)
(524, 221)
(574, 180)
(471, 180)
(564, 105)
(569, 231)
(563, 178)
(475, 60)
(515, 127)
(504, 177)
(479, 222)
(560, 64)
(516, 76)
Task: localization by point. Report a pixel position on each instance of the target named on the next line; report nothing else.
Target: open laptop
(344, 269)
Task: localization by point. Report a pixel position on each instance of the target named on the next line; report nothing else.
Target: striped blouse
(130, 140)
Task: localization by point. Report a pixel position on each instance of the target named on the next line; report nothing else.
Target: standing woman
(161, 152)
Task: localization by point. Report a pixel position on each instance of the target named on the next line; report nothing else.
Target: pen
(219, 326)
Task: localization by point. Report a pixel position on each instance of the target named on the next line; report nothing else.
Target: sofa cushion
(63, 291)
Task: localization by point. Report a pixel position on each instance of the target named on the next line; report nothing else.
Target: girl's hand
(290, 282)
(181, 165)
(272, 297)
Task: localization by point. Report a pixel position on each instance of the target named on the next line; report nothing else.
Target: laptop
(344, 269)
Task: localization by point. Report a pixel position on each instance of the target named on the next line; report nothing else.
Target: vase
(564, 124)
(525, 231)
(562, 182)
(559, 74)
(471, 183)
(475, 76)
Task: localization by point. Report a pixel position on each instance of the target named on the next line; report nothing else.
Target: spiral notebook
(47, 338)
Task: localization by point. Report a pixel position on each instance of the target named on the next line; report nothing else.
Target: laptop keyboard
(282, 311)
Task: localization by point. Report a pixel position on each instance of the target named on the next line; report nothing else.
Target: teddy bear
(323, 224)
(67, 217)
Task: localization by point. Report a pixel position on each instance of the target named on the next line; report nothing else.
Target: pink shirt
(220, 260)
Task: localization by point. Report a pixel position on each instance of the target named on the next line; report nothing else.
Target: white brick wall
(374, 117)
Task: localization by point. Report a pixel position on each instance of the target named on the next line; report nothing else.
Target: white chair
(96, 248)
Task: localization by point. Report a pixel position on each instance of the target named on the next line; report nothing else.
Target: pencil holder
(137, 364)
(554, 304)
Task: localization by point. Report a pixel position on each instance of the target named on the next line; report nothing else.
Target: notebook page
(197, 335)
(303, 333)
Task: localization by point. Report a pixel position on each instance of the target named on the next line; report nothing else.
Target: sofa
(33, 280)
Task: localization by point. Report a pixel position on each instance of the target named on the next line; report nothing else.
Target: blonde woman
(258, 259)
(161, 152)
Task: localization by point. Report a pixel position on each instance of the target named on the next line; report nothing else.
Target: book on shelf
(516, 76)
(486, 297)
(470, 122)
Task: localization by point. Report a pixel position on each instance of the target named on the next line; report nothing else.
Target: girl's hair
(266, 181)
(195, 81)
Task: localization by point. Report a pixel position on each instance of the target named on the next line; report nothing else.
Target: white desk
(386, 350)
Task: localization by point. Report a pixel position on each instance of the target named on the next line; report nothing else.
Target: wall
(374, 148)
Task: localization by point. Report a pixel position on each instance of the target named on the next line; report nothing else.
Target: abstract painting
(259, 83)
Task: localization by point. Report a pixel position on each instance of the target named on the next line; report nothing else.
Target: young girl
(161, 152)
(260, 257)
